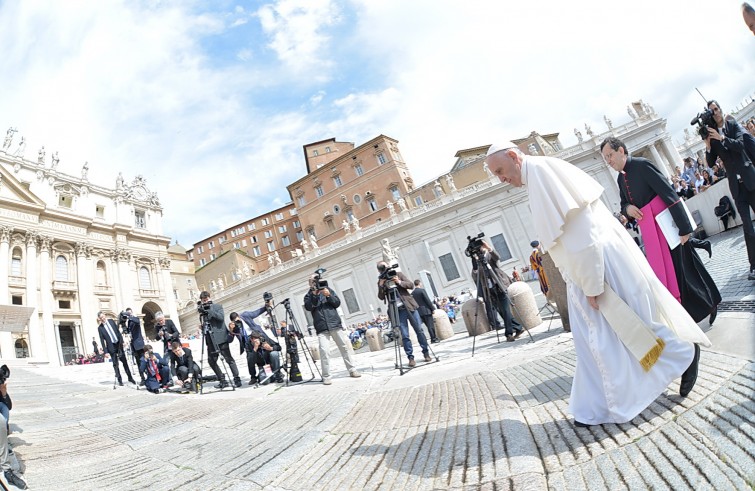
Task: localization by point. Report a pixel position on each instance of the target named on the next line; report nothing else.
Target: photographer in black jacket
(10, 476)
(217, 340)
(183, 367)
(323, 302)
(167, 332)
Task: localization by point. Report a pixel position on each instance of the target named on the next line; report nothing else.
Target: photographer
(183, 367)
(323, 302)
(112, 343)
(216, 338)
(166, 331)
(132, 326)
(10, 476)
(498, 283)
(407, 308)
(265, 351)
(157, 370)
(736, 148)
(244, 325)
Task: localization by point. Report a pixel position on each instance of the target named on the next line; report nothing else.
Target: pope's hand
(593, 301)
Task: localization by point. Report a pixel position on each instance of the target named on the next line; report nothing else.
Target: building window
(211, 244)
(285, 241)
(299, 236)
(331, 226)
(256, 251)
(270, 246)
(254, 239)
(236, 245)
(418, 200)
(293, 212)
(99, 211)
(327, 149)
(315, 153)
(61, 268)
(243, 242)
(319, 192)
(282, 229)
(65, 201)
(202, 261)
(140, 220)
(212, 256)
(279, 216)
(449, 267)
(16, 300)
(381, 158)
(15, 263)
(394, 191)
(373, 204)
(337, 181)
(301, 200)
(296, 224)
(145, 282)
(200, 249)
(349, 214)
(351, 300)
(222, 240)
(357, 199)
(336, 209)
(265, 221)
(501, 247)
(251, 227)
(358, 169)
(101, 274)
(64, 304)
(268, 234)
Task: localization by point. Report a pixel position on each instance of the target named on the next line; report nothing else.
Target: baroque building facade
(428, 238)
(70, 248)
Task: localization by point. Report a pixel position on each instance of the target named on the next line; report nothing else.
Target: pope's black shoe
(689, 377)
(580, 424)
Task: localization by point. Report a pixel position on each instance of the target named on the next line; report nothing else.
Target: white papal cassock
(598, 257)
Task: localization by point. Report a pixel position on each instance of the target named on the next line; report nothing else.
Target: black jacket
(324, 313)
(170, 333)
(426, 306)
(733, 151)
(105, 341)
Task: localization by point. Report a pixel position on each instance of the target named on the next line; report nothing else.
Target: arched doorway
(149, 310)
(22, 349)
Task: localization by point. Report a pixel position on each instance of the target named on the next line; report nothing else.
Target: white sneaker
(327, 381)
(355, 374)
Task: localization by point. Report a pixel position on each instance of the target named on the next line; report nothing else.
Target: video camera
(267, 296)
(388, 273)
(319, 282)
(704, 120)
(474, 245)
(4, 374)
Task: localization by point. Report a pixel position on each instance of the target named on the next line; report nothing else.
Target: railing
(103, 289)
(17, 280)
(64, 286)
(149, 293)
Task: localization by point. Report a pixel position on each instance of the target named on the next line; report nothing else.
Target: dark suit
(426, 307)
(169, 334)
(157, 370)
(137, 342)
(734, 150)
(498, 284)
(114, 348)
(183, 365)
(217, 343)
(259, 357)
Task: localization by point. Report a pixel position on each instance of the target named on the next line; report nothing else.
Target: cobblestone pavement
(498, 420)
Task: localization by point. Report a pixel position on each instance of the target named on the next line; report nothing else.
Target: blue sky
(212, 101)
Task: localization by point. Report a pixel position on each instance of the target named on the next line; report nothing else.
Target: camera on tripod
(267, 297)
(318, 281)
(388, 273)
(204, 308)
(474, 245)
(704, 120)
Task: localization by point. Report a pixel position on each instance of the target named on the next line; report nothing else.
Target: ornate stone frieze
(4, 233)
(31, 238)
(164, 262)
(45, 242)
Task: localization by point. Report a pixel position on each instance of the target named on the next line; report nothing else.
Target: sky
(212, 102)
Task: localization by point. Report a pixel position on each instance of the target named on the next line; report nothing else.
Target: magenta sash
(656, 246)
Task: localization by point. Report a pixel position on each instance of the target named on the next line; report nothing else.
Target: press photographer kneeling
(266, 351)
(156, 369)
(183, 367)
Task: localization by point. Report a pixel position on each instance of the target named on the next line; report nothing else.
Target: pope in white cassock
(631, 336)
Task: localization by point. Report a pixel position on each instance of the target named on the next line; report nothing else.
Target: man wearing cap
(631, 336)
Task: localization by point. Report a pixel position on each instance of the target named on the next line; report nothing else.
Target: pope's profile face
(507, 166)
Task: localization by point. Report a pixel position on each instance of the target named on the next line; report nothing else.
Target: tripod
(392, 295)
(133, 363)
(486, 278)
(291, 334)
(207, 335)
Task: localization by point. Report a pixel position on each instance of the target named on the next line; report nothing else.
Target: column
(85, 281)
(672, 153)
(47, 302)
(126, 280)
(36, 337)
(7, 350)
(171, 308)
(58, 347)
(115, 280)
(658, 161)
